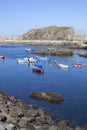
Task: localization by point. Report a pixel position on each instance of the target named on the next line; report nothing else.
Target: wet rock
(53, 98)
(63, 123)
(81, 128)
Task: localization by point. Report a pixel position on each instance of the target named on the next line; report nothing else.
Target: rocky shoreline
(61, 52)
(70, 44)
(16, 115)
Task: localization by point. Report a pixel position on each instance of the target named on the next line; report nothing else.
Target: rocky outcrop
(49, 33)
(53, 98)
(83, 55)
(61, 52)
(15, 115)
(79, 45)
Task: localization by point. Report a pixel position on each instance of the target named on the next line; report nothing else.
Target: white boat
(32, 60)
(44, 58)
(29, 49)
(22, 60)
(63, 66)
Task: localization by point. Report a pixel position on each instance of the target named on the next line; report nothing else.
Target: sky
(19, 16)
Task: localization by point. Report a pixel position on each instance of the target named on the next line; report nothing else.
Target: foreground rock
(15, 115)
(53, 98)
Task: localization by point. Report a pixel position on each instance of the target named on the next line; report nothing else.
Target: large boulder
(53, 98)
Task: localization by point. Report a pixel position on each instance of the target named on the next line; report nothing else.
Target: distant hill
(49, 33)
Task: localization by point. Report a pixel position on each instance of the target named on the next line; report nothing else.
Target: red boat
(2, 57)
(78, 65)
(37, 70)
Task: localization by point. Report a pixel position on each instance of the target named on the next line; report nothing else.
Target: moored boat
(63, 66)
(78, 65)
(39, 66)
(29, 49)
(32, 60)
(44, 59)
(23, 60)
(2, 57)
(38, 70)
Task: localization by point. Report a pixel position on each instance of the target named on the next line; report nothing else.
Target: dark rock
(53, 98)
(21, 115)
(0, 111)
(3, 118)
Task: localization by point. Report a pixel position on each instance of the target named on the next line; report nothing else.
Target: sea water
(18, 80)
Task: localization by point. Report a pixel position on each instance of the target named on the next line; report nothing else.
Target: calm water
(18, 80)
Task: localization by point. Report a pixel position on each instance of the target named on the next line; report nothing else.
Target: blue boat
(39, 66)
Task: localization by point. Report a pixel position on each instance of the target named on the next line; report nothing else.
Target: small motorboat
(38, 70)
(63, 66)
(44, 59)
(39, 66)
(78, 65)
(2, 57)
(32, 60)
(24, 60)
(29, 49)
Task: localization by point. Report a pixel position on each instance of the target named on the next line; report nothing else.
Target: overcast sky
(19, 16)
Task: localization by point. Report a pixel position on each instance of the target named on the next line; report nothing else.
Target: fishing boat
(32, 60)
(38, 70)
(63, 66)
(22, 60)
(78, 65)
(29, 49)
(39, 66)
(2, 57)
(46, 59)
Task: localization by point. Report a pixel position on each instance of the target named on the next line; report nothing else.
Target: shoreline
(39, 42)
(70, 44)
(16, 115)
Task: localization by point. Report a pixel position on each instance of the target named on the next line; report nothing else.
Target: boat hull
(2, 57)
(63, 66)
(78, 65)
(36, 70)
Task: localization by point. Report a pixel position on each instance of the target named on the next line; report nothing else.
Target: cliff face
(49, 33)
